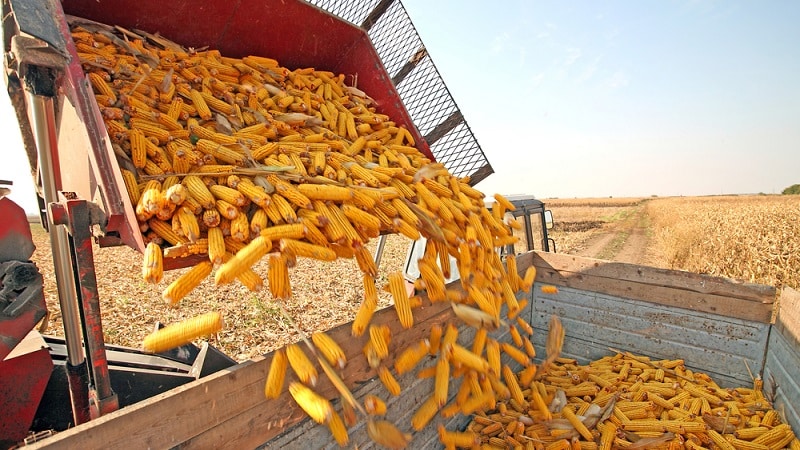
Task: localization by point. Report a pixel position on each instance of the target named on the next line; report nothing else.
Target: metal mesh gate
(421, 88)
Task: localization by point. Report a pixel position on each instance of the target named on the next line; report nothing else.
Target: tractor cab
(535, 222)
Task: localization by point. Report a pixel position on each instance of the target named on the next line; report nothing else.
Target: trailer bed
(692, 317)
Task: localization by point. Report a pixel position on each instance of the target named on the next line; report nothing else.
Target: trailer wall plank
(782, 372)
(723, 297)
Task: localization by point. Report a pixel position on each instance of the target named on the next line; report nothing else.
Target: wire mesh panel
(419, 84)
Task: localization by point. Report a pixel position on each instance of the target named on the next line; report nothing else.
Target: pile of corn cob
(628, 402)
(242, 159)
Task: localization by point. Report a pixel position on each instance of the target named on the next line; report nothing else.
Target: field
(752, 238)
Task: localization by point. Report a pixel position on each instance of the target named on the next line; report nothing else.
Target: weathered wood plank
(789, 312)
(196, 415)
(701, 284)
(652, 293)
(783, 358)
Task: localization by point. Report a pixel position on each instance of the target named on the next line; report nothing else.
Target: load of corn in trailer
(290, 164)
(423, 336)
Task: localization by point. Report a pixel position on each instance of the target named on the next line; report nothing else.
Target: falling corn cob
(177, 334)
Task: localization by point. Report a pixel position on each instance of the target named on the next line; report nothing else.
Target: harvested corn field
(752, 238)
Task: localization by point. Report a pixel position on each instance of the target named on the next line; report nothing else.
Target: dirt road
(623, 238)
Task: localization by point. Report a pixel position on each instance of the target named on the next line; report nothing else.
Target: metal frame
(418, 82)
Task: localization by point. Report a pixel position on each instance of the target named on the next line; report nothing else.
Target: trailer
(718, 326)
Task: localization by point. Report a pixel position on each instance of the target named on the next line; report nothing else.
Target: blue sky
(624, 98)
(607, 98)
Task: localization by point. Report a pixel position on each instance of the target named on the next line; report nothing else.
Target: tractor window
(535, 221)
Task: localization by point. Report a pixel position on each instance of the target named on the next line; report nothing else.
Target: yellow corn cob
(276, 374)
(216, 104)
(379, 338)
(177, 195)
(367, 265)
(467, 358)
(330, 349)
(165, 231)
(776, 434)
(424, 414)
(186, 282)
(243, 259)
(338, 429)
(220, 153)
(401, 301)
(232, 196)
(406, 229)
(240, 228)
(200, 104)
(548, 289)
(131, 186)
(256, 194)
(374, 405)
(299, 248)
(326, 192)
(367, 308)
(288, 231)
(460, 439)
(259, 221)
(283, 208)
(278, 277)
(251, 280)
(289, 191)
(211, 218)
(216, 246)
(388, 380)
(138, 148)
(301, 365)
(316, 406)
(188, 223)
(199, 191)
(226, 210)
(411, 356)
(183, 332)
(493, 356)
(516, 354)
(441, 381)
(513, 385)
(361, 218)
(153, 265)
(101, 87)
(151, 129)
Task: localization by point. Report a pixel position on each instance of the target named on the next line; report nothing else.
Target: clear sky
(624, 98)
(607, 98)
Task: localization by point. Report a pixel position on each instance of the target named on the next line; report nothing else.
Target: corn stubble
(241, 159)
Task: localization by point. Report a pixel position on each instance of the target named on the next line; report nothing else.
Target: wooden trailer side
(782, 371)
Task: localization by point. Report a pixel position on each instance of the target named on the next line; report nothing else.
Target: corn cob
(278, 277)
(181, 333)
(243, 259)
(316, 406)
(153, 265)
(276, 375)
(330, 349)
(186, 282)
(301, 365)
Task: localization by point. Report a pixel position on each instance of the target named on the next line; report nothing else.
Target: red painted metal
(82, 215)
(16, 245)
(294, 32)
(23, 378)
